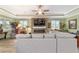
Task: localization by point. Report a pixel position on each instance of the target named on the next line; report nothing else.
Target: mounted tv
(39, 22)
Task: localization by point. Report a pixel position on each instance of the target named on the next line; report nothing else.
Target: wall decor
(73, 24)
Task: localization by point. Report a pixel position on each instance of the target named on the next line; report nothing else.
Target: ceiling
(27, 9)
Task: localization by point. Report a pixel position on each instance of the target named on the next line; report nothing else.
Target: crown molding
(7, 11)
(72, 10)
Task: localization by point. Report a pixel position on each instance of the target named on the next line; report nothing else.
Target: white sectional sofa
(62, 43)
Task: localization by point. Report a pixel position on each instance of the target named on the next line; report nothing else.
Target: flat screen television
(39, 22)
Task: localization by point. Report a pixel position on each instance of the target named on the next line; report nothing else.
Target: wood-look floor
(8, 46)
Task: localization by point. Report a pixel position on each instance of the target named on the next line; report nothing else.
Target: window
(4, 22)
(55, 24)
(23, 23)
(1, 22)
(5, 25)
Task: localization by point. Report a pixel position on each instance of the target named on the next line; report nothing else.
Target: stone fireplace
(39, 25)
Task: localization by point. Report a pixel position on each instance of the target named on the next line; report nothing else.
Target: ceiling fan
(40, 11)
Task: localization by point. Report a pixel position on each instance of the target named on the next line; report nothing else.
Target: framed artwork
(73, 24)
